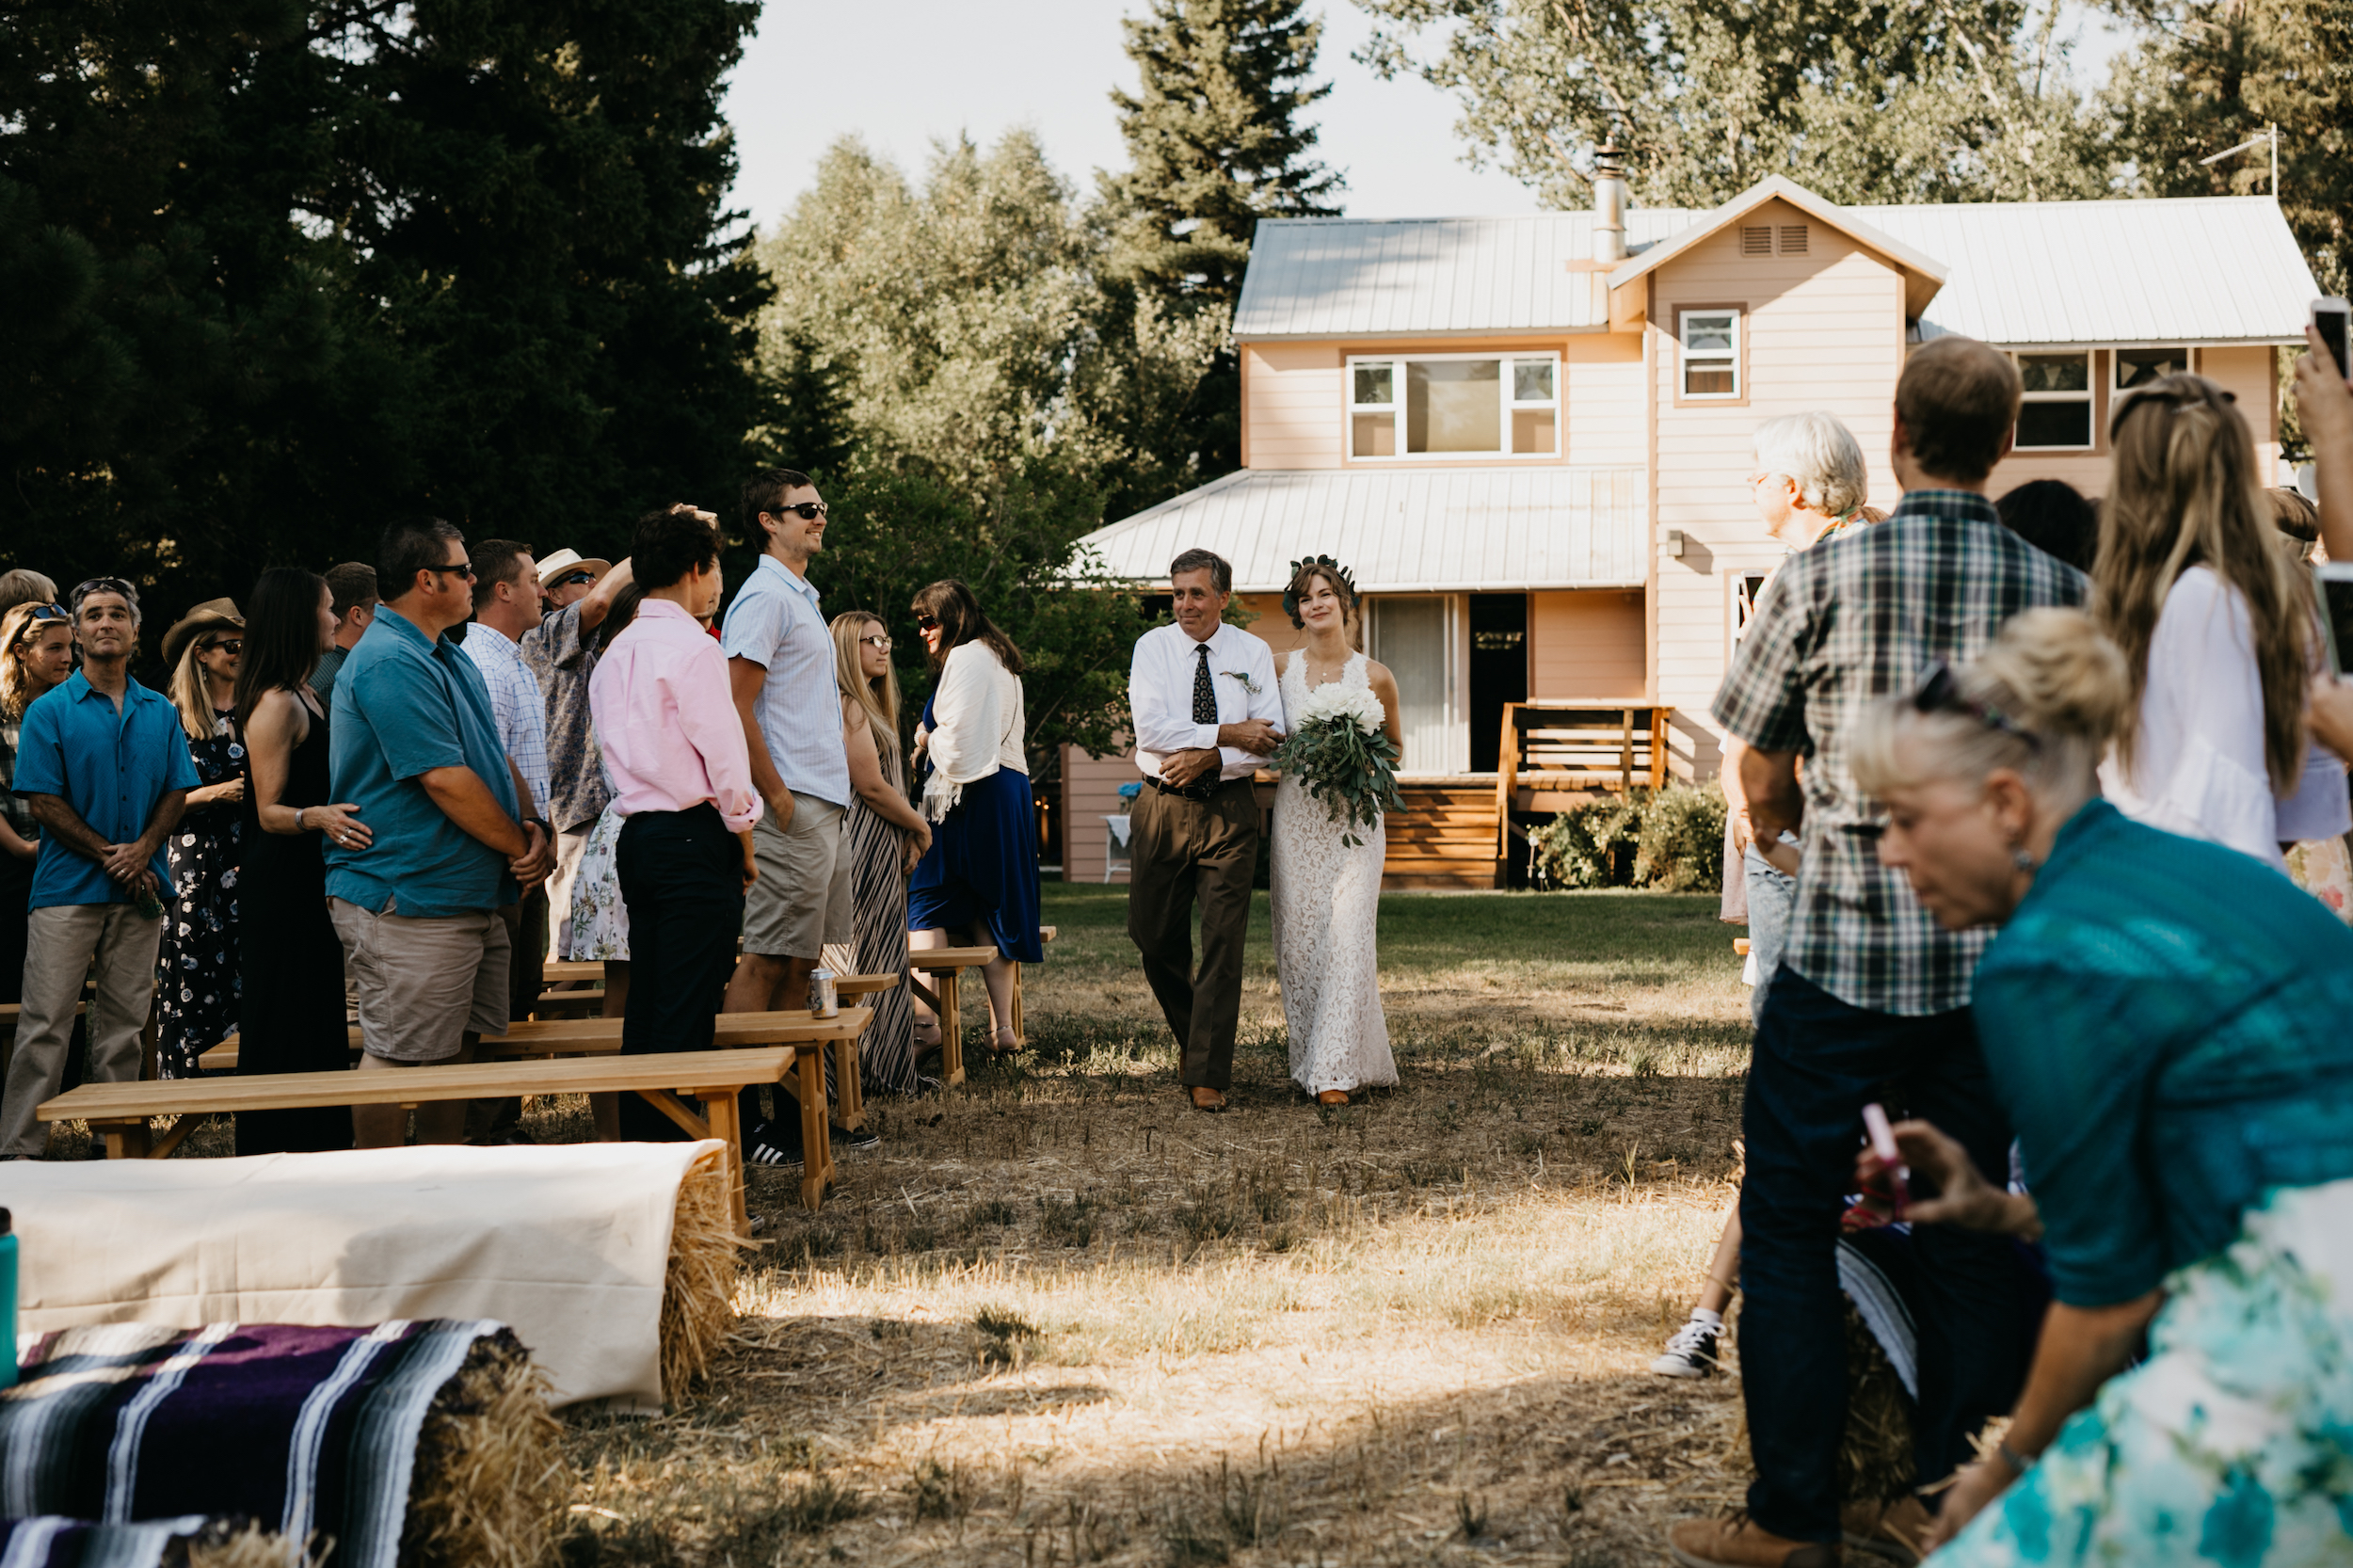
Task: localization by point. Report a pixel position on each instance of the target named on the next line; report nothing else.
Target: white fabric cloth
(2198, 766)
(567, 1245)
(981, 726)
(1326, 900)
(1159, 694)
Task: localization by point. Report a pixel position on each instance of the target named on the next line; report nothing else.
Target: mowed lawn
(1059, 1318)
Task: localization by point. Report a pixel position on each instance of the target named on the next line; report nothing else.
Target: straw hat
(213, 615)
(566, 560)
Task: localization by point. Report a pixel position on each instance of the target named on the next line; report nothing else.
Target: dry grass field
(1059, 1318)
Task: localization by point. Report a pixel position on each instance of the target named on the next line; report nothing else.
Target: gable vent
(1793, 239)
(1756, 239)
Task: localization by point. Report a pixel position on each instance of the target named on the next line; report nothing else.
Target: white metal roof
(1924, 274)
(2187, 270)
(1329, 277)
(1401, 531)
(2190, 270)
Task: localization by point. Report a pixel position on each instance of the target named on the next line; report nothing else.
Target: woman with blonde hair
(2219, 646)
(2164, 1022)
(887, 835)
(197, 971)
(35, 653)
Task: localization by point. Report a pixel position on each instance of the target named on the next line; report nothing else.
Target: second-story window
(2056, 412)
(1454, 406)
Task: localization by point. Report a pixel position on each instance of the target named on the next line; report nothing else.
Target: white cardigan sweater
(981, 725)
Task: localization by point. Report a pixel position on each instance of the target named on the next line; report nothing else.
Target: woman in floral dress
(196, 966)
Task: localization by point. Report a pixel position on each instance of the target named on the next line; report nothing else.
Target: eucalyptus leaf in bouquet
(1338, 749)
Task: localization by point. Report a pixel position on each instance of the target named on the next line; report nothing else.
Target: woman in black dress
(293, 1019)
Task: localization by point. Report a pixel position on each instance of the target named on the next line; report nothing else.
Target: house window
(2137, 367)
(1712, 354)
(1454, 406)
(2057, 412)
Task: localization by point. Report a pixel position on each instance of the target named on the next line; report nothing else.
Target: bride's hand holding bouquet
(1340, 752)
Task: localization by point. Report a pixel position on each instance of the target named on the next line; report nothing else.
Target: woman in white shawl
(978, 882)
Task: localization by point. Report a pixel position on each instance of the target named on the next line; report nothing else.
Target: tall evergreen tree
(1215, 142)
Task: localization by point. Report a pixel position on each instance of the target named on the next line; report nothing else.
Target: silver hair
(1820, 455)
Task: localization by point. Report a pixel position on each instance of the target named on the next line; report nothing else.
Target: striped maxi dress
(878, 894)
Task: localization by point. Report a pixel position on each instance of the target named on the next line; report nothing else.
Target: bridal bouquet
(1338, 749)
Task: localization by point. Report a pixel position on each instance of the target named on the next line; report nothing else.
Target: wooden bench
(1553, 756)
(948, 965)
(767, 1046)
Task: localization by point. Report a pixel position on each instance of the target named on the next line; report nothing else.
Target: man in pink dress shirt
(682, 784)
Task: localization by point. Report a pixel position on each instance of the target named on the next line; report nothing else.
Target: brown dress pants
(1189, 851)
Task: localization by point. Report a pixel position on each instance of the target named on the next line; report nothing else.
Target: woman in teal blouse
(2170, 1026)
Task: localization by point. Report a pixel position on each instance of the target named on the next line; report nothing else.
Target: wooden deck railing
(1553, 755)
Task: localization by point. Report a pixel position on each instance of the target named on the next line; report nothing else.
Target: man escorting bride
(1209, 712)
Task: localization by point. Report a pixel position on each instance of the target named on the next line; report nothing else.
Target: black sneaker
(772, 1147)
(856, 1139)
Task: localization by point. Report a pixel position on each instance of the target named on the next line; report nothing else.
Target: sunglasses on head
(105, 585)
(1939, 692)
(809, 511)
(40, 616)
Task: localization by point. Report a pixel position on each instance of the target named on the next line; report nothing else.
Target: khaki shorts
(802, 899)
(425, 983)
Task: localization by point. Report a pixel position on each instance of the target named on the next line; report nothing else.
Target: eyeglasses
(1939, 692)
(878, 640)
(572, 579)
(927, 623)
(809, 510)
(463, 568)
(226, 644)
(105, 585)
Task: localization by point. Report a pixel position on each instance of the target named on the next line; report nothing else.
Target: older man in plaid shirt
(1871, 1002)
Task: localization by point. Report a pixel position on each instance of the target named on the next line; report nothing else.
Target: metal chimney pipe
(1608, 204)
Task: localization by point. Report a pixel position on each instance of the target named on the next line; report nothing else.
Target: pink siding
(2248, 373)
(1292, 405)
(1825, 332)
(1603, 373)
(1585, 645)
(1090, 791)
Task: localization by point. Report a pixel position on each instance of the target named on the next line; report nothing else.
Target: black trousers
(681, 876)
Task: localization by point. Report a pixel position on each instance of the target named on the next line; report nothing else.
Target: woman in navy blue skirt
(978, 882)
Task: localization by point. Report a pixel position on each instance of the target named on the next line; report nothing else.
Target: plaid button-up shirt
(1850, 620)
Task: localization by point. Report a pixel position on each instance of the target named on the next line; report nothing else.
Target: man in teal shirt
(413, 745)
(108, 772)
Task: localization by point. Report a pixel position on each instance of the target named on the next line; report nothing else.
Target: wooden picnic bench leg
(849, 1100)
(726, 1123)
(816, 1135)
(126, 1139)
(951, 1028)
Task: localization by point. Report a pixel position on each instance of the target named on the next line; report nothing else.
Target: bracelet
(2010, 1457)
(299, 827)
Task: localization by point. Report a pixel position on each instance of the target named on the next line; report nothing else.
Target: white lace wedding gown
(1327, 896)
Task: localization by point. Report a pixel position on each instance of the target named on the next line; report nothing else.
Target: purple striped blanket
(301, 1429)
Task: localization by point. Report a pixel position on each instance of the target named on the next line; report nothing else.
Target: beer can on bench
(823, 1000)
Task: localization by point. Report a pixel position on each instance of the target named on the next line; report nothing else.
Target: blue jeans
(1771, 895)
(1818, 1062)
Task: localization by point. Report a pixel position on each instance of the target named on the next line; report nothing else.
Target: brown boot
(1740, 1541)
(1889, 1530)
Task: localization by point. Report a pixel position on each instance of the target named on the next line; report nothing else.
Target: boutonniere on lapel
(1243, 676)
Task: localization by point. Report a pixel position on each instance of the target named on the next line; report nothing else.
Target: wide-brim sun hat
(213, 615)
(566, 560)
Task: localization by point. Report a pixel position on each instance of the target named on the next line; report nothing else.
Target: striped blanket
(301, 1429)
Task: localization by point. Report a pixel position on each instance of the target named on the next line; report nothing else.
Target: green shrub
(1671, 839)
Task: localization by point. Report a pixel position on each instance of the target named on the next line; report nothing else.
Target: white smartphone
(2332, 585)
(2331, 316)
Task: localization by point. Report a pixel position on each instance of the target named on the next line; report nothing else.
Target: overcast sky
(900, 73)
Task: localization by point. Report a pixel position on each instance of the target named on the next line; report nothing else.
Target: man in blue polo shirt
(108, 772)
(412, 743)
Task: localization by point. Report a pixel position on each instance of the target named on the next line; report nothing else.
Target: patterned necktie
(1204, 695)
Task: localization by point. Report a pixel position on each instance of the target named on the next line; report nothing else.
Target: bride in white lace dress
(1327, 894)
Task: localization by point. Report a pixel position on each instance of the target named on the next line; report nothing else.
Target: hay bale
(699, 1288)
(225, 1544)
(1875, 1452)
(490, 1479)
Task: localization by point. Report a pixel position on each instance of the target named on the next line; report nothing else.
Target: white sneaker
(1691, 1353)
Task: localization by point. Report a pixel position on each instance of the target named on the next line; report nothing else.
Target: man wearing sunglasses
(1871, 1001)
(414, 745)
(106, 767)
(561, 651)
(780, 665)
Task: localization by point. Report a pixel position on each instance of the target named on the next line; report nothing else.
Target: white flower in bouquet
(1337, 702)
(1339, 752)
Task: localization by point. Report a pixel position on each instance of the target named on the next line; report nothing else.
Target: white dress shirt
(2199, 767)
(1159, 694)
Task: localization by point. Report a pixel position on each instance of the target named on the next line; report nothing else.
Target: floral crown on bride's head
(1290, 593)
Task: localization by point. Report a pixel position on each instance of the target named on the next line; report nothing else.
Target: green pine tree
(1215, 142)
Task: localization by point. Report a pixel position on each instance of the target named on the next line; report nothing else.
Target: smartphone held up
(2331, 317)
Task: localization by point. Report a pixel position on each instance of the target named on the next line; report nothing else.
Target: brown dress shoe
(1891, 1531)
(1740, 1541)
(1333, 1097)
(1211, 1100)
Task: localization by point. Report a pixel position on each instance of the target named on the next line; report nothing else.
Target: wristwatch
(545, 826)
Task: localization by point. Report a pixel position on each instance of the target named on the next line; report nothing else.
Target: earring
(2020, 859)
